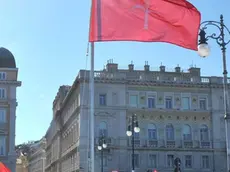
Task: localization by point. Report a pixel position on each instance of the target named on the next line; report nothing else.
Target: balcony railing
(205, 144)
(109, 141)
(153, 76)
(152, 143)
(187, 144)
(148, 143)
(170, 144)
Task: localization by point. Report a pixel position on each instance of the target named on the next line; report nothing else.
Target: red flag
(172, 21)
(3, 168)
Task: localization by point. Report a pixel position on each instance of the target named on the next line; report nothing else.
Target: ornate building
(37, 157)
(180, 114)
(8, 104)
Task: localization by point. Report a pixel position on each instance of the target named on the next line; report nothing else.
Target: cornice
(6, 82)
(8, 69)
(156, 83)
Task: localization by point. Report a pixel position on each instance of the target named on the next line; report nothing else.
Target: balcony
(137, 142)
(187, 144)
(205, 144)
(161, 144)
(170, 144)
(109, 141)
(152, 143)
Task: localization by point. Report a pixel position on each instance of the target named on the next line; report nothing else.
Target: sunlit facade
(180, 114)
(37, 157)
(8, 103)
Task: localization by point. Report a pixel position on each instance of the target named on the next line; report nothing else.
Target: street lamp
(101, 146)
(204, 51)
(133, 127)
(177, 163)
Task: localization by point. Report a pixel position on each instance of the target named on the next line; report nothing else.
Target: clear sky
(49, 40)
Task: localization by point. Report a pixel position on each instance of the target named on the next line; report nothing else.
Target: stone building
(8, 103)
(37, 157)
(21, 164)
(180, 114)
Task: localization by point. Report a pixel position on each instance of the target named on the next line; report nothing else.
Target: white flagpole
(92, 107)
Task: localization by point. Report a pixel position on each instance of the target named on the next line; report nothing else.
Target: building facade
(22, 164)
(8, 103)
(180, 114)
(37, 157)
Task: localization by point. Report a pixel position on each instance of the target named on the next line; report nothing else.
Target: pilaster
(12, 153)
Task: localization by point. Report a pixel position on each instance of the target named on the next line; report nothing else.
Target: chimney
(146, 67)
(194, 71)
(162, 68)
(177, 69)
(110, 66)
(131, 66)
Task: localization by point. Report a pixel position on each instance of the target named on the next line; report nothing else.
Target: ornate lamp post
(133, 127)
(204, 51)
(101, 146)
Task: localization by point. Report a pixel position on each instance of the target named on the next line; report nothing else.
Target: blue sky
(49, 40)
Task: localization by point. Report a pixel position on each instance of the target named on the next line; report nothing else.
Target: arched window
(187, 133)
(103, 129)
(152, 132)
(204, 133)
(169, 132)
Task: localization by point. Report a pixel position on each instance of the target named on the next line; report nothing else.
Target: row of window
(71, 137)
(36, 165)
(2, 75)
(71, 109)
(71, 163)
(187, 161)
(152, 161)
(151, 102)
(185, 102)
(169, 132)
(2, 93)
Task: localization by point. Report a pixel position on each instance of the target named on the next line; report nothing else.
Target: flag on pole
(171, 21)
(3, 168)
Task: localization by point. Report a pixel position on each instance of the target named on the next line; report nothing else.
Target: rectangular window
(205, 161)
(203, 104)
(136, 136)
(185, 103)
(102, 99)
(2, 115)
(136, 160)
(2, 75)
(152, 161)
(2, 93)
(133, 100)
(170, 160)
(168, 102)
(151, 102)
(152, 133)
(2, 145)
(188, 161)
(114, 98)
